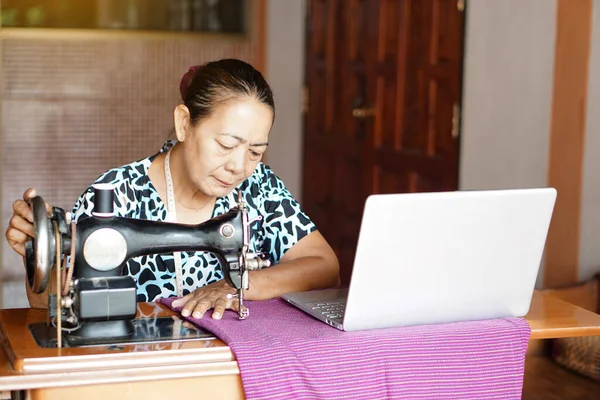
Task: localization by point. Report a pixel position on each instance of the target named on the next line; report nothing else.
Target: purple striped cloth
(283, 353)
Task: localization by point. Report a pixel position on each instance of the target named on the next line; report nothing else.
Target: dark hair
(206, 86)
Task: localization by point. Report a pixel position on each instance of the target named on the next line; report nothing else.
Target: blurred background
(372, 96)
(90, 85)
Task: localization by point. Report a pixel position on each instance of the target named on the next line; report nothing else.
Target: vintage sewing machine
(93, 302)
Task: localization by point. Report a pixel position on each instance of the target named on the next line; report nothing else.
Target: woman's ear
(181, 116)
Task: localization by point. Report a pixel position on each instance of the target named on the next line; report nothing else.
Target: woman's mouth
(223, 183)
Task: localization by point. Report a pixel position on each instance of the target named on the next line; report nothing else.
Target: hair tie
(186, 79)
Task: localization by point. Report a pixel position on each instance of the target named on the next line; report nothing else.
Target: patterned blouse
(283, 224)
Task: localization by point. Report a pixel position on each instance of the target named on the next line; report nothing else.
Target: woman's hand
(215, 295)
(20, 226)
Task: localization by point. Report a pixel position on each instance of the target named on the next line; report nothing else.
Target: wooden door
(383, 81)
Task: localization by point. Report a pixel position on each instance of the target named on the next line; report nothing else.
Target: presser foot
(242, 311)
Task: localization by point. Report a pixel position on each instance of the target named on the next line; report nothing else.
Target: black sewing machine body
(97, 303)
(106, 242)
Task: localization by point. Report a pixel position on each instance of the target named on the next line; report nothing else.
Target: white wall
(589, 245)
(507, 98)
(507, 95)
(285, 74)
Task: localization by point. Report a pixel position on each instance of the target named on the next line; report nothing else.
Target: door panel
(383, 80)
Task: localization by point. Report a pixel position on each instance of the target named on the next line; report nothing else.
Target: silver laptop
(426, 258)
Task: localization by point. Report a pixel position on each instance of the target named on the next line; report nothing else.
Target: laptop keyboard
(330, 309)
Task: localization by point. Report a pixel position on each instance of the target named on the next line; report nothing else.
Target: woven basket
(579, 354)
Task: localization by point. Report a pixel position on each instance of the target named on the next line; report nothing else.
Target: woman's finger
(19, 248)
(219, 309)
(22, 209)
(189, 306)
(15, 236)
(20, 227)
(234, 305)
(182, 301)
(201, 308)
(29, 194)
(19, 223)
(16, 239)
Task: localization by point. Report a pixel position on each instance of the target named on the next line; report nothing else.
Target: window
(219, 16)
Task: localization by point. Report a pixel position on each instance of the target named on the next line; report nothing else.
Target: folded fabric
(283, 353)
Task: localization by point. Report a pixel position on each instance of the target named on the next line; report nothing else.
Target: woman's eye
(255, 154)
(225, 147)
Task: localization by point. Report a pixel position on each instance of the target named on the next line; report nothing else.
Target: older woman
(222, 129)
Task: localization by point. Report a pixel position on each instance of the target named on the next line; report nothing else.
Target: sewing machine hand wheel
(40, 251)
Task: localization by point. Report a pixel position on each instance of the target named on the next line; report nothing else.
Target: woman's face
(223, 149)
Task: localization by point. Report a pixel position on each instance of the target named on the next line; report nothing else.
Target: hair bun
(186, 79)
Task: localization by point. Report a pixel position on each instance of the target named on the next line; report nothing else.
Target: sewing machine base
(115, 333)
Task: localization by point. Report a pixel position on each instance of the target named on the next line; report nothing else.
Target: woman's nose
(235, 163)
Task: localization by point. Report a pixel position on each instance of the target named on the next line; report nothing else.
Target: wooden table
(551, 318)
(148, 371)
(159, 370)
